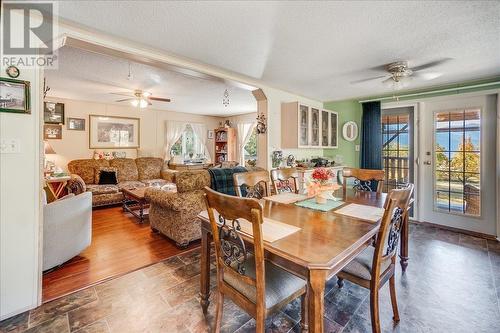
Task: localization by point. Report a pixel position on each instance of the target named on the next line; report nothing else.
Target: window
(457, 161)
(188, 146)
(250, 149)
(396, 150)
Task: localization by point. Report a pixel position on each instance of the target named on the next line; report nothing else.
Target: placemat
(286, 198)
(272, 230)
(363, 212)
(312, 204)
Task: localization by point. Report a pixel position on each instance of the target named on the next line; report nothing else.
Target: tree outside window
(250, 149)
(188, 146)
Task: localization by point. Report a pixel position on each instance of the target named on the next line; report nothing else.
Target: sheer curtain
(244, 133)
(173, 131)
(200, 130)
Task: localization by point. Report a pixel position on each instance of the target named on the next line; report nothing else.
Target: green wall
(348, 110)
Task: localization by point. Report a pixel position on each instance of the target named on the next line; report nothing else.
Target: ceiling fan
(399, 74)
(141, 99)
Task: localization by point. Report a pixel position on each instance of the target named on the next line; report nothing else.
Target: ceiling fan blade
(369, 79)
(430, 64)
(388, 80)
(427, 75)
(159, 99)
(124, 100)
(123, 94)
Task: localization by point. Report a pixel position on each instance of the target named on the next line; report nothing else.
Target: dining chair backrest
(396, 207)
(255, 183)
(363, 179)
(225, 212)
(285, 180)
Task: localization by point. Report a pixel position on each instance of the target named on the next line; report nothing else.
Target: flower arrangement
(321, 175)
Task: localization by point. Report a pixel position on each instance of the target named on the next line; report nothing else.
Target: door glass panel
(315, 127)
(304, 125)
(333, 129)
(457, 160)
(396, 150)
(324, 128)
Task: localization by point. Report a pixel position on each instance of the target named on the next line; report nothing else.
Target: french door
(457, 162)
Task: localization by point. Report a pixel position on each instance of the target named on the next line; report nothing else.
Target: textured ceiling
(313, 48)
(84, 75)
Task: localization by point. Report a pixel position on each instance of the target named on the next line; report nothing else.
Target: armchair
(67, 229)
(175, 214)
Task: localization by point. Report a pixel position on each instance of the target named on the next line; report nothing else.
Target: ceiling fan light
(146, 94)
(143, 103)
(134, 103)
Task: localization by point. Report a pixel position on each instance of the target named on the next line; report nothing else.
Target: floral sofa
(131, 173)
(175, 214)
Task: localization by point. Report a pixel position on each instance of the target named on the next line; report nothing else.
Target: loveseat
(130, 173)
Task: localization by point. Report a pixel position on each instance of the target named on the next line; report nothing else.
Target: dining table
(325, 243)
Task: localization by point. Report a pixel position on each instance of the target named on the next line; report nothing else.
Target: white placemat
(363, 212)
(286, 198)
(272, 230)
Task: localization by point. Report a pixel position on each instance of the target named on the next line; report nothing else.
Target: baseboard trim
(462, 231)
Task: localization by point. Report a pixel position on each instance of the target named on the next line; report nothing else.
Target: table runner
(363, 212)
(272, 230)
(312, 204)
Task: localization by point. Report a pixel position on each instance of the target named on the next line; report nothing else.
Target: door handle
(427, 163)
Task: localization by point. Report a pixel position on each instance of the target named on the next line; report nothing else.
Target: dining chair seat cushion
(361, 266)
(280, 284)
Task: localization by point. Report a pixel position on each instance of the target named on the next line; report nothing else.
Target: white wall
(75, 144)
(19, 207)
(275, 98)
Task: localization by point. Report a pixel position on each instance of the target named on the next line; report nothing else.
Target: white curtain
(200, 130)
(244, 133)
(173, 132)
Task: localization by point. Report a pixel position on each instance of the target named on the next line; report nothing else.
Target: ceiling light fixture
(225, 99)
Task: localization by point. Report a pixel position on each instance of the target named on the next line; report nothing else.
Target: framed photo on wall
(52, 132)
(113, 132)
(210, 134)
(53, 113)
(76, 124)
(14, 95)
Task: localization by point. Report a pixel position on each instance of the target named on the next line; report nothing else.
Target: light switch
(356, 147)
(10, 146)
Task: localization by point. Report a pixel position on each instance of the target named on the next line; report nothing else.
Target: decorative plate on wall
(350, 131)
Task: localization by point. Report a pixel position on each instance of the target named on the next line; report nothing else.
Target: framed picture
(52, 131)
(14, 95)
(76, 124)
(53, 113)
(113, 132)
(210, 134)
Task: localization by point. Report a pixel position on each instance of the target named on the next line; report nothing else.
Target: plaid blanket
(222, 179)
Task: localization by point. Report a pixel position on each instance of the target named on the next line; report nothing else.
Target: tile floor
(451, 285)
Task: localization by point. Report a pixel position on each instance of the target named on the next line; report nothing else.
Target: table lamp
(49, 165)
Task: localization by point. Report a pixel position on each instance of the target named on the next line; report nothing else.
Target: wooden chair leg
(219, 309)
(340, 282)
(260, 323)
(304, 300)
(374, 310)
(394, 301)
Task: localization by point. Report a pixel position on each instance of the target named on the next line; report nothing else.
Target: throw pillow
(107, 178)
(98, 171)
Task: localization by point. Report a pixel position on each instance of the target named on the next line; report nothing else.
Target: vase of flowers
(320, 184)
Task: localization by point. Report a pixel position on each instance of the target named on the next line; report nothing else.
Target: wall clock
(12, 71)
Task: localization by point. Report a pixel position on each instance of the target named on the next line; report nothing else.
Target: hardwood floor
(119, 245)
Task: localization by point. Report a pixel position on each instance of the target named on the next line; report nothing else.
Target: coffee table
(133, 201)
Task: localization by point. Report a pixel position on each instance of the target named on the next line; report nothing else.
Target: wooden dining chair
(243, 274)
(373, 267)
(285, 180)
(255, 183)
(363, 179)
